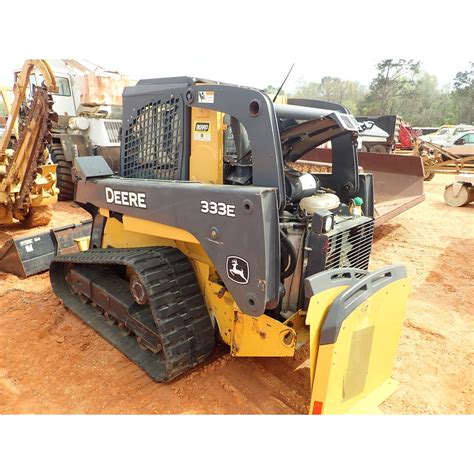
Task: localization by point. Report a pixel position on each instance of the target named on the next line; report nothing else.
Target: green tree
(332, 89)
(272, 90)
(395, 78)
(425, 104)
(463, 95)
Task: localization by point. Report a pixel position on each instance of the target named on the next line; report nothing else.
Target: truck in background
(401, 136)
(89, 107)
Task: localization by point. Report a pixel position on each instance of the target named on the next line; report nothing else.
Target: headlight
(322, 221)
(328, 223)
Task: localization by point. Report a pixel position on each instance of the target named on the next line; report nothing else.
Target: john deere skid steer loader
(209, 232)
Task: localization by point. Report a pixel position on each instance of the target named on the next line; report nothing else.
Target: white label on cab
(206, 97)
(125, 198)
(202, 131)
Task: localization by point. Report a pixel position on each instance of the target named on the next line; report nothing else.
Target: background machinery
(442, 159)
(204, 232)
(5, 107)
(27, 175)
(435, 150)
(88, 102)
(400, 135)
(27, 178)
(461, 192)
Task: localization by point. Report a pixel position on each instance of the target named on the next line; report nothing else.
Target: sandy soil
(50, 362)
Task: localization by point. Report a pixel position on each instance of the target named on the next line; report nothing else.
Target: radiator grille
(112, 128)
(350, 248)
(153, 141)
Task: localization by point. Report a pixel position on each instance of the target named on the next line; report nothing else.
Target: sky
(245, 42)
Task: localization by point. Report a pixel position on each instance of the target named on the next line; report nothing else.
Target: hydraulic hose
(289, 268)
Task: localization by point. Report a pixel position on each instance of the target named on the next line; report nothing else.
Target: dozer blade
(29, 255)
(398, 179)
(355, 321)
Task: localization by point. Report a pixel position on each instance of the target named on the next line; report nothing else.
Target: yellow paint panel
(261, 337)
(318, 307)
(222, 308)
(248, 336)
(207, 146)
(116, 236)
(297, 323)
(377, 324)
(370, 404)
(104, 212)
(143, 226)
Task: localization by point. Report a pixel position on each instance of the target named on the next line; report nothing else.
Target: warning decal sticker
(206, 97)
(202, 131)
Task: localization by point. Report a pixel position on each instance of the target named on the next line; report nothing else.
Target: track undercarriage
(147, 296)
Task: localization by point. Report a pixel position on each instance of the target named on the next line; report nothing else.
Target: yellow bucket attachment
(355, 320)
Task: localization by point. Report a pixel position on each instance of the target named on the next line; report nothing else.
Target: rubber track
(175, 300)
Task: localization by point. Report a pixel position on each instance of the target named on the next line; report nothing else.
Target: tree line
(400, 87)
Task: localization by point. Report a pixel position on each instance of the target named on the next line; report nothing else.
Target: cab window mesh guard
(153, 141)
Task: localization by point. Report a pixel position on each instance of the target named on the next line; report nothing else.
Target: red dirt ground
(50, 362)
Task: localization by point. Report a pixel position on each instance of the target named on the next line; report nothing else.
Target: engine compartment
(320, 228)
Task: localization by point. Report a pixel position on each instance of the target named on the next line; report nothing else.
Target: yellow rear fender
(322, 289)
(355, 323)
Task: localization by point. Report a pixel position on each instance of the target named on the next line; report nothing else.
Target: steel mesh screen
(350, 248)
(153, 142)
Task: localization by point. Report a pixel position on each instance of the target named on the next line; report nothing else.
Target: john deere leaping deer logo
(238, 270)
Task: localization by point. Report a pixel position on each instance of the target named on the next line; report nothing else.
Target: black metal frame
(150, 97)
(256, 206)
(259, 115)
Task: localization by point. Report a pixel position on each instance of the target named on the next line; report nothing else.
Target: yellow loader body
(208, 230)
(352, 324)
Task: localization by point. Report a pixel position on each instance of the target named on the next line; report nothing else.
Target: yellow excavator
(209, 232)
(27, 178)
